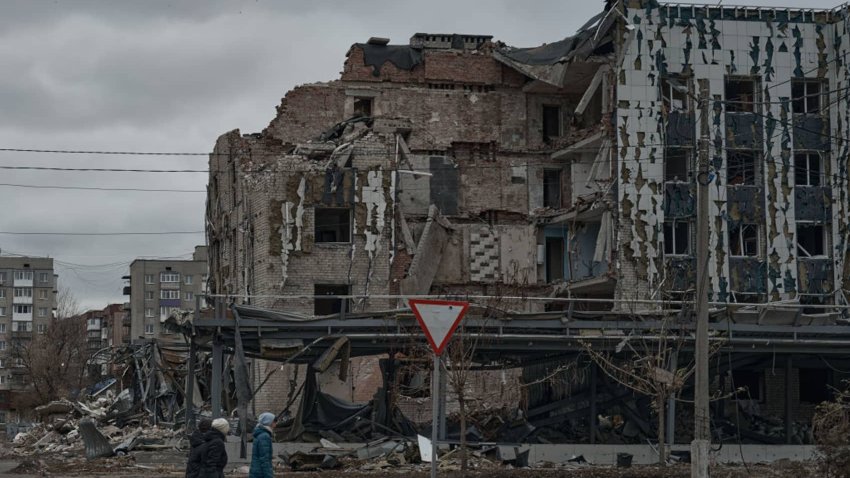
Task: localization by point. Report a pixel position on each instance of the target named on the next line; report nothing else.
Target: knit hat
(204, 424)
(265, 419)
(221, 425)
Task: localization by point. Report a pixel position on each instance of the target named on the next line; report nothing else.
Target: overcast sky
(171, 76)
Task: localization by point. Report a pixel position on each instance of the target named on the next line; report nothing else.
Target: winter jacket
(261, 454)
(213, 455)
(196, 442)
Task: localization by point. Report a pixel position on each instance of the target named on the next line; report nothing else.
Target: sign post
(438, 319)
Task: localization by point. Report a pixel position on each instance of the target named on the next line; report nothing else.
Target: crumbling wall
(838, 34)
(711, 44)
(473, 67)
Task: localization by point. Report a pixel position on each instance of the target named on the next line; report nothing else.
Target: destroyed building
(564, 175)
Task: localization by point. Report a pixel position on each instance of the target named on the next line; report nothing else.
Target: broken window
(806, 96)
(362, 106)
(749, 383)
(677, 164)
(331, 305)
(333, 225)
(551, 122)
(815, 385)
(741, 94)
(554, 259)
(552, 188)
(744, 240)
(677, 238)
(811, 240)
(808, 169)
(741, 168)
(674, 94)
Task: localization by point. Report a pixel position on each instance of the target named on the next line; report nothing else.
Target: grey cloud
(156, 75)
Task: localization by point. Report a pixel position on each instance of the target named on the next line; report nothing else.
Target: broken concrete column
(429, 252)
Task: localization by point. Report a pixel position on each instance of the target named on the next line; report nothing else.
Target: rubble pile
(89, 428)
(404, 454)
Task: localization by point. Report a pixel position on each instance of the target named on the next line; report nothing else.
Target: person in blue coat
(261, 451)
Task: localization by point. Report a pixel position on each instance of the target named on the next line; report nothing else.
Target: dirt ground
(127, 467)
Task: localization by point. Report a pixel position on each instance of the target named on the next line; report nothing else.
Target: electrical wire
(111, 170)
(84, 188)
(145, 233)
(131, 153)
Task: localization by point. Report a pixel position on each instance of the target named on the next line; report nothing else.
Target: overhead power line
(51, 168)
(130, 153)
(152, 233)
(83, 188)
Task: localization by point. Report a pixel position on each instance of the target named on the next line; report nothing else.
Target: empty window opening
(806, 96)
(741, 95)
(333, 225)
(554, 259)
(674, 94)
(677, 238)
(808, 169)
(362, 107)
(552, 188)
(744, 240)
(551, 122)
(741, 168)
(815, 385)
(811, 240)
(677, 165)
(331, 305)
(748, 384)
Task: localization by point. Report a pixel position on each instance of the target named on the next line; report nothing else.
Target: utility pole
(702, 436)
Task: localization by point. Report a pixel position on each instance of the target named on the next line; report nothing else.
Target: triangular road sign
(438, 319)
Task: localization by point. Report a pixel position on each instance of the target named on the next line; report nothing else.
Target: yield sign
(438, 319)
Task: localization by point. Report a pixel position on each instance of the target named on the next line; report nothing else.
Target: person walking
(196, 441)
(213, 455)
(261, 450)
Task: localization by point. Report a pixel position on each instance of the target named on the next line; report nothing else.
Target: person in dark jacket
(196, 440)
(213, 457)
(261, 450)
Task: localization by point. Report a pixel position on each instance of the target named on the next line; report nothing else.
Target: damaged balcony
(576, 251)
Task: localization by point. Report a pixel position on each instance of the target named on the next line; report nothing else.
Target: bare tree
(67, 304)
(463, 350)
(650, 367)
(52, 362)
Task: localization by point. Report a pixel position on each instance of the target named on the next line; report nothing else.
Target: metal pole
(435, 413)
(593, 403)
(700, 445)
(671, 405)
(189, 397)
(155, 382)
(218, 352)
(788, 414)
(441, 431)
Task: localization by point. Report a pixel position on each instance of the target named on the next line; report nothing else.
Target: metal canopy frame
(508, 340)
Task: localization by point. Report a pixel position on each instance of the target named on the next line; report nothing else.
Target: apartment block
(159, 287)
(27, 303)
